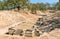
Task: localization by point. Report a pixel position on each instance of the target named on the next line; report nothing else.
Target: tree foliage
(38, 6)
(9, 4)
(58, 5)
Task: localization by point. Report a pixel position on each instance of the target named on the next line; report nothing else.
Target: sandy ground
(22, 21)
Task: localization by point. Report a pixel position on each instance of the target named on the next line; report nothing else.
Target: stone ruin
(10, 31)
(39, 28)
(49, 25)
(26, 33)
(19, 32)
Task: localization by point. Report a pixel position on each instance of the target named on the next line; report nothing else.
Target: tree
(10, 4)
(58, 6)
(37, 6)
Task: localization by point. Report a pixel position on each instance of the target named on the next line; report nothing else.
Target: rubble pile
(41, 25)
